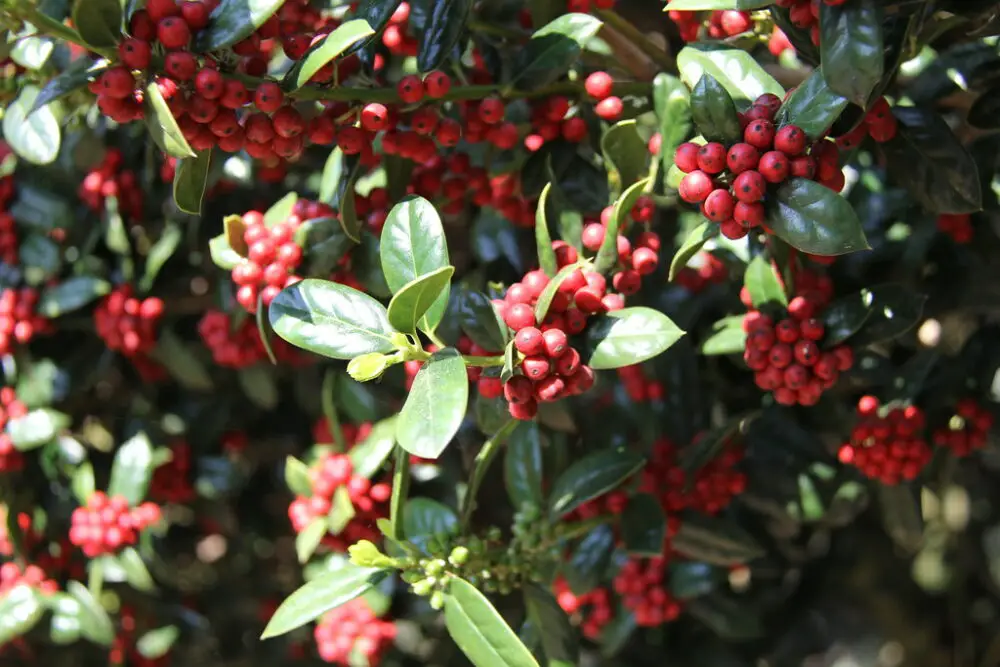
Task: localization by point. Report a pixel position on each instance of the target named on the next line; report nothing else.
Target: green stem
(625, 27)
(400, 489)
(330, 410)
(483, 362)
(432, 337)
(484, 458)
(95, 579)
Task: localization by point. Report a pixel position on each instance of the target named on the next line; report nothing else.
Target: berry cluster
(126, 323)
(731, 183)
(591, 610)
(804, 14)
(11, 576)
(708, 490)
(958, 226)
(641, 585)
(11, 460)
(106, 525)
(721, 23)
(635, 260)
(353, 630)
(109, 180)
(703, 270)
(600, 86)
(232, 347)
(171, 482)
(370, 501)
(18, 321)
(878, 123)
(887, 444)
(968, 429)
(640, 388)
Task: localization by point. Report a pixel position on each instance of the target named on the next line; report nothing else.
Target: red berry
(804, 167)
(610, 108)
(718, 206)
(686, 157)
(550, 388)
(268, 97)
(732, 230)
(437, 84)
(712, 158)
(374, 117)
(209, 83)
(491, 110)
(790, 140)
(769, 101)
(748, 214)
(759, 134)
(173, 32)
(742, 157)
(774, 166)
(536, 367)
(749, 187)
(518, 389)
(697, 185)
(555, 342)
(529, 341)
(523, 411)
(410, 89)
(644, 261)
(135, 53)
(592, 236)
(598, 85)
(519, 316)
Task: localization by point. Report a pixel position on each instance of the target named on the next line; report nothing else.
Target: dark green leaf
(132, 469)
(984, 112)
(553, 49)
(715, 541)
(333, 169)
(607, 254)
(41, 258)
(714, 112)
(927, 159)
(589, 562)
(644, 527)
(559, 639)
(408, 305)
(845, 316)
(812, 106)
(446, 21)
(523, 466)
(98, 21)
(345, 36)
(70, 295)
(190, 181)
(320, 595)
(735, 69)
(690, 580)
(435, 406)
(507, 372)
(629, 336)
(94, 621)
(763, 283)
(368, 456)
(692, 245)
(33, 135)
(158, 642)
(424, 518)
(591, 476)
(626, 152)
(323, 244)
(895, 309)
(543, 240)
(233, 21)
(175, 356)
(480, 631)
(163, 126)
(258, 384)
(815, 219)
(491, 413)
(481, 322)
(330, 319)
(20, 609)
(75, 77)
(671, 100)
(851, 48)
(376, 12)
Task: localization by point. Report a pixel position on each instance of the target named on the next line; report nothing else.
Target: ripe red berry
(437, 84)
(686, 157)
(610, 108)
(748, 214)
(759, 134)
(268, 97)
(749, 187)
(550, 388)
(173, 32)
(742, 157)
(592, 236)
(518, 389)
(644, 261)
(735, 22)
(718, 206)
(790, 140)
(117, 83)
(410, 89)
(209, 83)
(804, 167)
(733, 230)
(697, 185)
(774, 166)
(135, 53)
(374, 117)
(491, 110)
(536, 367)
(712, 158)
(598, 85)
(555, 342)
(181, 65)
(524, 411)
(769, 101)
(519, 316)
(529, 341)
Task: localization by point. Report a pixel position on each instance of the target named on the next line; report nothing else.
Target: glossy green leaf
(543, 239)
(553, 49)
(629, 336)
(309, 539)
(259, 385)
(735, 69)
(233, 21)
(812, 106)
(413, 244)
(481, 322)
(222, 254)
(29, 51)
(70, 295)
(549, 293)
(445, 24)
(730, 339)
(94, 620)
(895, 309)
(424, 518)
(509, 361)
(588, 564)
(280, 210)
(671, 101)
(323, 244)
(411, 302)
(66, 626)
(34, 136)
(927, 159)
(607, 254)
(626, 152)
(320, 595)
(162, 125)
(75, 77)
(435, 406)
(701, 5)
(480, 631)
(157, 643)
(330, 319)
(297, 477)
(845, 316)
(814, 219)
(559, 638)
(82, 483)
(132, 469)
(692, 579)
(343, 37)
(98, 22)
(763, 283)
(36, 428)
(714, 112)
(350, 221)
(644, 526)
(20, 609)
(376, 12)
(369, 455)
(851, 48)
(590, 477)
(715, 540)
(136, 573)
(523, 466)
(692, 245)
(190, 181)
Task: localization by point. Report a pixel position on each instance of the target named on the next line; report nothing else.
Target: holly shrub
(502, 332)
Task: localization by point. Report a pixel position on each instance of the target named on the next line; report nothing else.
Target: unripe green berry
(437, 600)
(435, 567)
(424, 587)
(458, 556)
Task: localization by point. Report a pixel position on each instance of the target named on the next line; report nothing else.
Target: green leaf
(559, 638)
(83, 483)
(94, 621)
(424, 518)
(549, 293)
(175, 356)
(308, 540)
(326, 592)
(844, 317)
(812, 107)
(345, 36)
(280, 210)
(259, 385)
(408, 305)
(588, 564)
(30, 51)
(136, 572)
(157, 643)
(927, 159)
(730, 339)
(895, 309)
(735, 69)
(435, 406)
(553, 49)
(297, 477)
(814, 219)
(190, 181)
(98, 22)
(330, 319)
(70, 295)
(223, 255)
(350, 222)
(368, 366)
(160, 253)
(413, 244)
(368, 456)
(132, 469)
(851, 48)
(607, 254)
(523, 466)
(716, 541)
(445, 24)
(626, 152)
(630, 336)
(543, 240)
(714, 112)
(763, 283)
(700, 5)
(34, 136)
(692, 245)
(400, 491)
(985, 111)
(902, 516)
(41, 258)
(644, 527)
(480, 631)
(672, 104)
(690, 580)
(20, 609)
(333, 169)
(233, 21)
(376, 12)
(323, 244)
(36, 428)
(75, 77)
(592, 476)
(163, 126)
(507, 371)
(481, 322)
(66, 625)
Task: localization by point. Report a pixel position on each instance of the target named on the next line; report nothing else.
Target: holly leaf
(763, 283)
(592, 476)
(814, 219)
(737, 71)
(851, 48)
(445, 24)
(714, 111)
(629, 336)
(435, 406)
(553, 49)
(345, 36)
(813, 106)
(190, 181)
